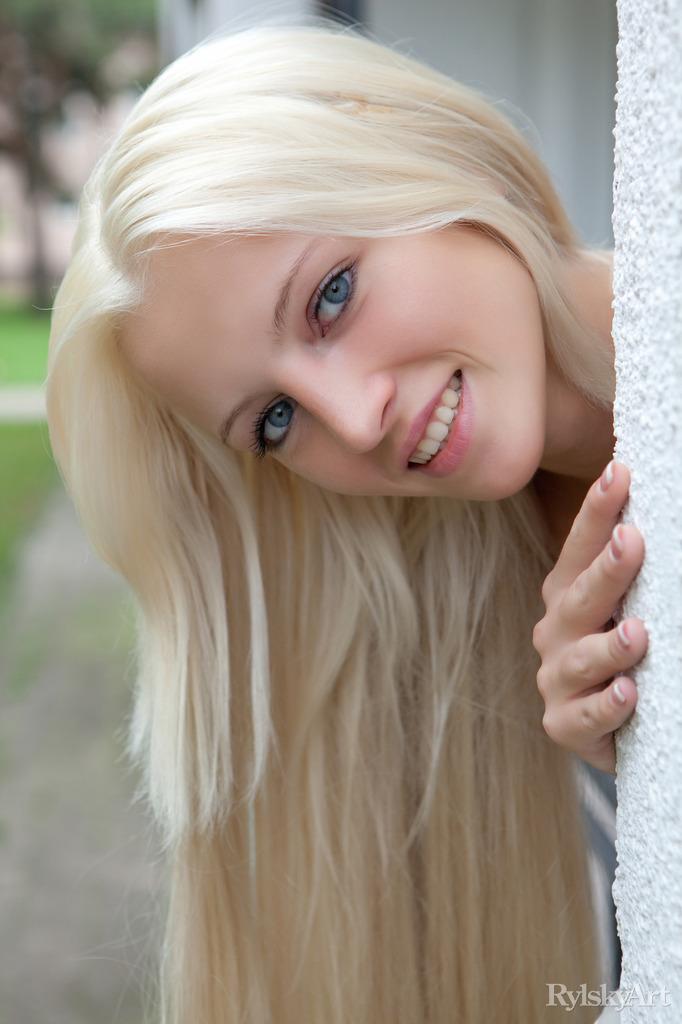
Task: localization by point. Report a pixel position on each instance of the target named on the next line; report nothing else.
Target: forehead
(206, 300)
(193, 283)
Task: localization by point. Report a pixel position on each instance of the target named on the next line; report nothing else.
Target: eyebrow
(279, 319)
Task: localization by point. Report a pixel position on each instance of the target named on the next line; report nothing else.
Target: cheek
(334, 474)
(412, 311)
(326, 466)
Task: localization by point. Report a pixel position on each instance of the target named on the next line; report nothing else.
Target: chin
(505, 478)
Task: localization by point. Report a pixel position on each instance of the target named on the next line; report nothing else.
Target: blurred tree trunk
(33, 180)
(48, 51)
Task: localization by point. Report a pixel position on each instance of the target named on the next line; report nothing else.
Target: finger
(585, 725)
(593, 659)
(589, 601)
(592, 526)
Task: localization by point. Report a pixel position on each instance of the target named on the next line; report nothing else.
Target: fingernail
(607, 476)
(616, 546)
(622, 631)
(619, 695)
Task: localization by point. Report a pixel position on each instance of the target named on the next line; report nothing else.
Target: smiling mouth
(439, 427)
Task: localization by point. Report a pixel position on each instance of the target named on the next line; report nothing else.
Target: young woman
(330, 382)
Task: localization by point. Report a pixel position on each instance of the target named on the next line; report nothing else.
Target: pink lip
(448, 459)
(419, 425)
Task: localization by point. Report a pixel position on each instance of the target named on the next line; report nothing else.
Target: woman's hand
(580, 654)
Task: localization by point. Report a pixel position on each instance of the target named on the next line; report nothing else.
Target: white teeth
(438, 427)
(428, 445)
(444, 414)
(450, 398)
(438, 431)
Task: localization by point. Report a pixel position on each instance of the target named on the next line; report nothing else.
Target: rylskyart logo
(560, 995)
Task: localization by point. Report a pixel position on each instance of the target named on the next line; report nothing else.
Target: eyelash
(259, 445)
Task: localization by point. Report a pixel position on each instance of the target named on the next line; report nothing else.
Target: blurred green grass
(27, 475)
(24, 333)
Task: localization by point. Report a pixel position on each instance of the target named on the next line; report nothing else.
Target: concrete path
(80, 879)
(22, 404)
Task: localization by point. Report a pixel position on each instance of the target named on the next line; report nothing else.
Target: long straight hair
(336, 715)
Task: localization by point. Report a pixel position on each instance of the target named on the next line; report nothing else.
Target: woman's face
(340, 384)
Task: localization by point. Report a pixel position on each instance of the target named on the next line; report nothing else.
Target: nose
(353, 405)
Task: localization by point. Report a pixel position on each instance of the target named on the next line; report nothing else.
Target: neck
(579, 437)
(560, 499)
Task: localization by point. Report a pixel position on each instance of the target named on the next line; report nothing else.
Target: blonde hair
(336, 710)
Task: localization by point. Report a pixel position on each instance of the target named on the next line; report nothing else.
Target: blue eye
(335, 290)
(280, 421)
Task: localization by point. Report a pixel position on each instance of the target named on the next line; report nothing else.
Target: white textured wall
(647, 329)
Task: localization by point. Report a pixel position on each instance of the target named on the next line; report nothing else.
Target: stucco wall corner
(647, 331)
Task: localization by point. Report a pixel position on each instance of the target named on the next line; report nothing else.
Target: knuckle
(548, 724)
(589, 720)
(551, 726)
(579, 664)
(580, 593)
(547, 589)
(539, 635)
(543, 682)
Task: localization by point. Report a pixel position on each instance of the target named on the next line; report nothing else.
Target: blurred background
(81, 880)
